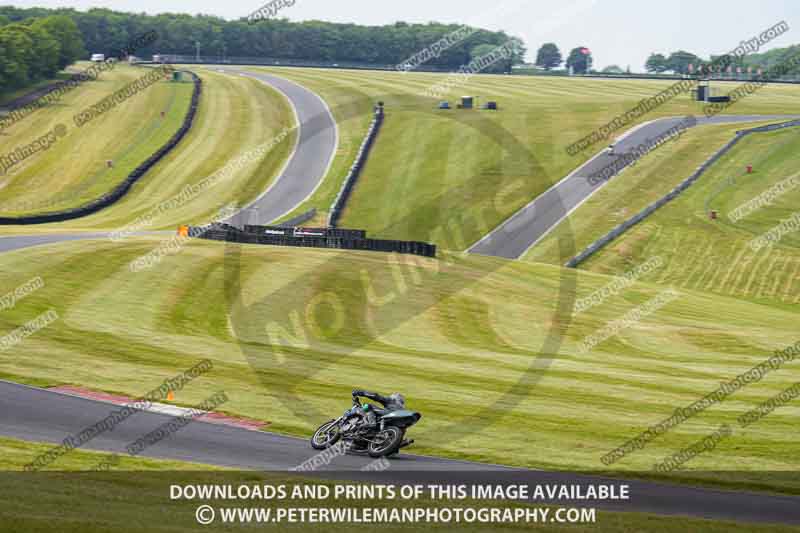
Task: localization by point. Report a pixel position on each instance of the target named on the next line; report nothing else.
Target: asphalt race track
(8, 244)
(305, 170)
(39, 415)
(530, 224)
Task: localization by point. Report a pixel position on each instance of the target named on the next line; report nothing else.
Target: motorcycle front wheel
(326, 436)
(385, 442)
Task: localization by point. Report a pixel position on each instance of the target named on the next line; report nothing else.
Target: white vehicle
(611, 148)
(98, 58)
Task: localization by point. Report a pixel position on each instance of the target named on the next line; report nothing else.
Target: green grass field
(714, 255)
(463, 337)
(14, 454)
(235, 115)
(462, 343)
(429, 164)
(638, 186)
(74, 170)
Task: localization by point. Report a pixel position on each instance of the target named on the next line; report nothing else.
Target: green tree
(519, 51)
(726, 61)
(499, 66)
(31, 48)
(69, 36)
(612, 69)
(105, 31)
(16, 41)
(47, 50)
(775, 58)
(656, 63)
(548, 56)
(580, 60)
(679, 61)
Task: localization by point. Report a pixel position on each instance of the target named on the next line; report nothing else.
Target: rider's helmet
(398, 399)
(365, 406)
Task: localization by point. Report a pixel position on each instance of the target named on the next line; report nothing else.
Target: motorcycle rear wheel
(386, 442)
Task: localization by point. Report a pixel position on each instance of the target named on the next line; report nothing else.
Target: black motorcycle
(359, 435)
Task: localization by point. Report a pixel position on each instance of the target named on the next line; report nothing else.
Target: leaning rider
(393, 402)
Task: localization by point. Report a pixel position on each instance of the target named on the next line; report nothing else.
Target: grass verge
(460, 336)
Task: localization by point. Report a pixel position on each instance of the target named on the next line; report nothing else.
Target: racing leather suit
(390, 403)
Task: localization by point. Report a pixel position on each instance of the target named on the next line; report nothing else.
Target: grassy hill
(235, 115)
(480, 164)
(74, 170)
(489, 350)
(715, 255)
(427, 164)
(639, 185)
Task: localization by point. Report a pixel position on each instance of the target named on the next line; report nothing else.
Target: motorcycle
(352, 428)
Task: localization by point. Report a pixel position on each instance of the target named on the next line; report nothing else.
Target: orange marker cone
(170, 396)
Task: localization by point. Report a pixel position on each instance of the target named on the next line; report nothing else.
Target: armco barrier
(122, 189)
(685, 184)
(337, 238)
(356, 65)
(176, 59)
(361, 158)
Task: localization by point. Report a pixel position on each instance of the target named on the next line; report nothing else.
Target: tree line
(104, 30)
(683, 62)
(36, 48)
(579, 60)
(679, 62)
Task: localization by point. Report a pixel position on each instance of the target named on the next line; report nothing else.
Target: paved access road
(39, 415)
(530, 224)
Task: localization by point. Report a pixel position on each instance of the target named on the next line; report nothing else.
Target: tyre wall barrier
(361, 158)
(674, 193)
(340, 239)
(31, 97)
(122, 189)
(306, 232)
